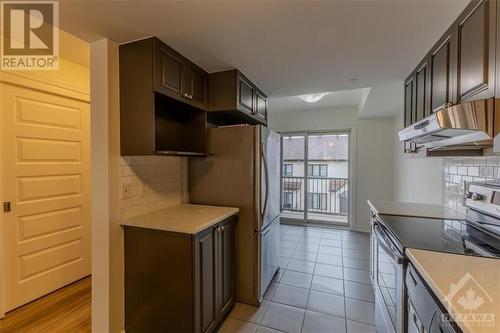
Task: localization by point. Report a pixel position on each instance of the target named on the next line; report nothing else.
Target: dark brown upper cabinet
(261, 105)
(476, 51)
(163, 101)
(168, 71)
(422, 90)
(409, 100)
(411, 88)
(235, 99)
(460, 67)
(246, 96)
(442, 62)
(197, 86)
(177, 77)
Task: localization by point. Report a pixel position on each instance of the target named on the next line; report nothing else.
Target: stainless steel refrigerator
(243, 170)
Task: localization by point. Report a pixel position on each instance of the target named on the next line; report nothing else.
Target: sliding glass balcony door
(293, 176)
(315, 177)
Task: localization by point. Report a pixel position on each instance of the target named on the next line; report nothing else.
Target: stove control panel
(483, 197)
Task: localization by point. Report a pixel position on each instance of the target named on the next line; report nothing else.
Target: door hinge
(6, 207)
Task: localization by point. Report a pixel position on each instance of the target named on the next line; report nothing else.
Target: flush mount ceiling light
(313, 98)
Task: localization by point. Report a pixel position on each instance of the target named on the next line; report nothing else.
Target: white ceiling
(287, 48)
(340, 99)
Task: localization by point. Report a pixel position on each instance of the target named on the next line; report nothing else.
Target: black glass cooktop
(454, 236)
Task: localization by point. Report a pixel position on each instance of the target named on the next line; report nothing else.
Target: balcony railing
(325, 195)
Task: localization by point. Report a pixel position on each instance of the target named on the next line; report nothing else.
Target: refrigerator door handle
(266, 173)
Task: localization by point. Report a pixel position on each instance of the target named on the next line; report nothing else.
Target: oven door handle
(382, 243)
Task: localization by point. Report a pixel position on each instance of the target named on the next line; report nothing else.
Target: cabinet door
(245, 95)
(443, 70)
(205, 279)
(409, 101)
(197, 84)
(475, 56)
(225, 267)
(168, 71)
(261, 105)
(421, 90)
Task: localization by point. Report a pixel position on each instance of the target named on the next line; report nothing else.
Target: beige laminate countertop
(470, 274)
(414, 209)
(185, 218)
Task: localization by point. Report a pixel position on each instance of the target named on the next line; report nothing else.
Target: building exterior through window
(315, 177)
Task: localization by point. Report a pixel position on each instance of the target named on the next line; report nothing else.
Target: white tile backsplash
(458, 170)
(155, 183)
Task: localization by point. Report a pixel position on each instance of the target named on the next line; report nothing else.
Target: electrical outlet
(126, 191)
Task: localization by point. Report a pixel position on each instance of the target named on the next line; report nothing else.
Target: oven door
(388, 281)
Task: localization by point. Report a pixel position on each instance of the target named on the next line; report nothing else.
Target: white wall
(372, 162)
(100, 200)
(313, 120)
(416, 179)
(374, 165)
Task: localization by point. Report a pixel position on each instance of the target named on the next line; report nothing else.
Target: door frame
(350, 174)
(2, 292)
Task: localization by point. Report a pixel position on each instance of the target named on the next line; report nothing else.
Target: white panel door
(45, 176)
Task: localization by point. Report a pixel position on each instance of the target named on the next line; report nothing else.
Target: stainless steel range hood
(463, 127)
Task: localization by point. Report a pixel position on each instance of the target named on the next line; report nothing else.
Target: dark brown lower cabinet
(225, 268)
(178, 282)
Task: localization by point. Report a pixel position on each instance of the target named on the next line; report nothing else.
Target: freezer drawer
(270, 245)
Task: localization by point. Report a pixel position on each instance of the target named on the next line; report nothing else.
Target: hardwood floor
(64, 310)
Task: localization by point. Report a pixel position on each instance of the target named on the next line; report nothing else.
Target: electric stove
(452, 236)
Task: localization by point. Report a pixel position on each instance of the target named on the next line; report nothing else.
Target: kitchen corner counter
(475, 275)
(185, 218)
(414, 209)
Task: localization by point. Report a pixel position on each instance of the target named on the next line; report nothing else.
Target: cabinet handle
(222, 228)
(190, 97)
(6, 207)
(186, 95)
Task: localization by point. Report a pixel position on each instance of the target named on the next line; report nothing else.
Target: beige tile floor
(323, 286)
